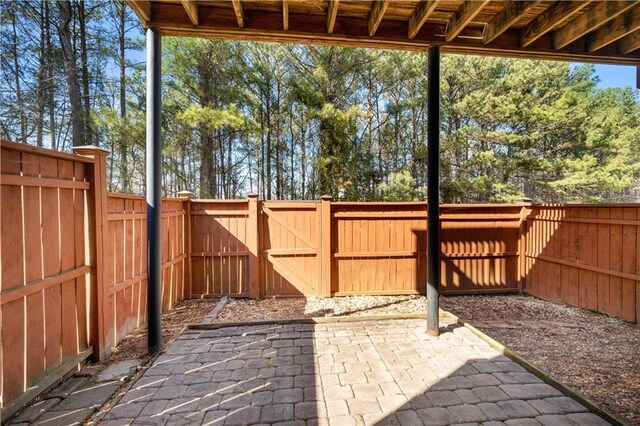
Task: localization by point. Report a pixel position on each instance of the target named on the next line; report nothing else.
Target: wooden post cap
(186, 194)
(524, 200)
(326, 198)
(90, 151)
(252, 196)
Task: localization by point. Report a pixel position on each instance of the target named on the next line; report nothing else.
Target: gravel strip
(294, 308)
(597, 355)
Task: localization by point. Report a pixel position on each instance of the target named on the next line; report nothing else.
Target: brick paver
(360, 373)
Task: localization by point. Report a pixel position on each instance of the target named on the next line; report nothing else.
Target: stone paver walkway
(376, 372)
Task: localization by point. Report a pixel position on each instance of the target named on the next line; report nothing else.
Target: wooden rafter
(375, 17)
(505, 19)
(630, 42)
(601, 13)
(332, 13)
(237, 8)
(191, 6)
(285, 15)
(142, 8)
(420, 16)
(615, 30)
(464, 16)
(550, 19)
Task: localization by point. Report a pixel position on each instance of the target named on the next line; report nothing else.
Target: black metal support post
(433, 189)
(154, 191)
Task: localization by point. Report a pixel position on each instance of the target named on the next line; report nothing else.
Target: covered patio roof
(582, 31)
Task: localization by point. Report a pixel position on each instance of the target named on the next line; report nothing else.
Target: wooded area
(297, 122)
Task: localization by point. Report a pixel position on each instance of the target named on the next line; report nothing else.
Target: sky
(616, 75)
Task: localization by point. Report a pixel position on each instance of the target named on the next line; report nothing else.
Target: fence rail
(73, 257)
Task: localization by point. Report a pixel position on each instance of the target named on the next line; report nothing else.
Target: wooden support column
(253, 245)
(99, 319)
(186, 238)
(154, 191)
(325, 248)
(433, 190)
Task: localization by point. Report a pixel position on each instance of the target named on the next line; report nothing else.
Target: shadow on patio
(357, 372)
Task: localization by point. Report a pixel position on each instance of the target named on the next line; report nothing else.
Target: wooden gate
(291, 238)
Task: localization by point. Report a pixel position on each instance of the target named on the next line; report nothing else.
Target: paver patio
(367, 372)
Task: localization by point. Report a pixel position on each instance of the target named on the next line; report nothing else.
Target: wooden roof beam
(505, 19)
(375, 17)
(615, 30)
(420, 16)
(332, 13)
(191, 6)
(630, 43)
(237, 8)
(285, 15)
(601, 13)
(550, 19)
(464, 16)
(142, 8)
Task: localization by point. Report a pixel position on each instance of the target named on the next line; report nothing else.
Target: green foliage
(400, 187)
(294, 121)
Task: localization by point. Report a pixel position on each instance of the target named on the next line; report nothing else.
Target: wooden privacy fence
(73, 257)
(320, 248)
(585, 255)
(73, 265)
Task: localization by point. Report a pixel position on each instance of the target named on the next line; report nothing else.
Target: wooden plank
(52, 378)
(615, 256)
(37, 286)
(604, 233)
(580, 266)
(463, 17)
(219, 213)
(420, 16)
(601, 13)
(332, 13)
(142, 8)
(618, 28)
(285, 15)
(557, 14)
(239, 11)
(13, 349)
(629, 260)
(191, 6)
(629, 44)
(588, 220)
(508, 16)
(378, 9)
(13, 180)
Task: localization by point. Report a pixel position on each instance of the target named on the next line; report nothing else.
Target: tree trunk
(16, 65)
(84, 59)
(41, 79)
(70, 68)
(124, 170)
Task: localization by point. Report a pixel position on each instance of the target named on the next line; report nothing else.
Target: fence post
(325, 247)
(253, 245)
(98, 226)
(525, 203)
(186, 237)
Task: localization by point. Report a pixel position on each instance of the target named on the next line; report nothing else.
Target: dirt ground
(597, 355)
(189, 311)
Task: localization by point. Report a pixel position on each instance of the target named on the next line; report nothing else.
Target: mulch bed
(597, 355)
(188, 311)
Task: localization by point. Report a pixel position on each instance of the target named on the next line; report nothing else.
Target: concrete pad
(119, 370)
